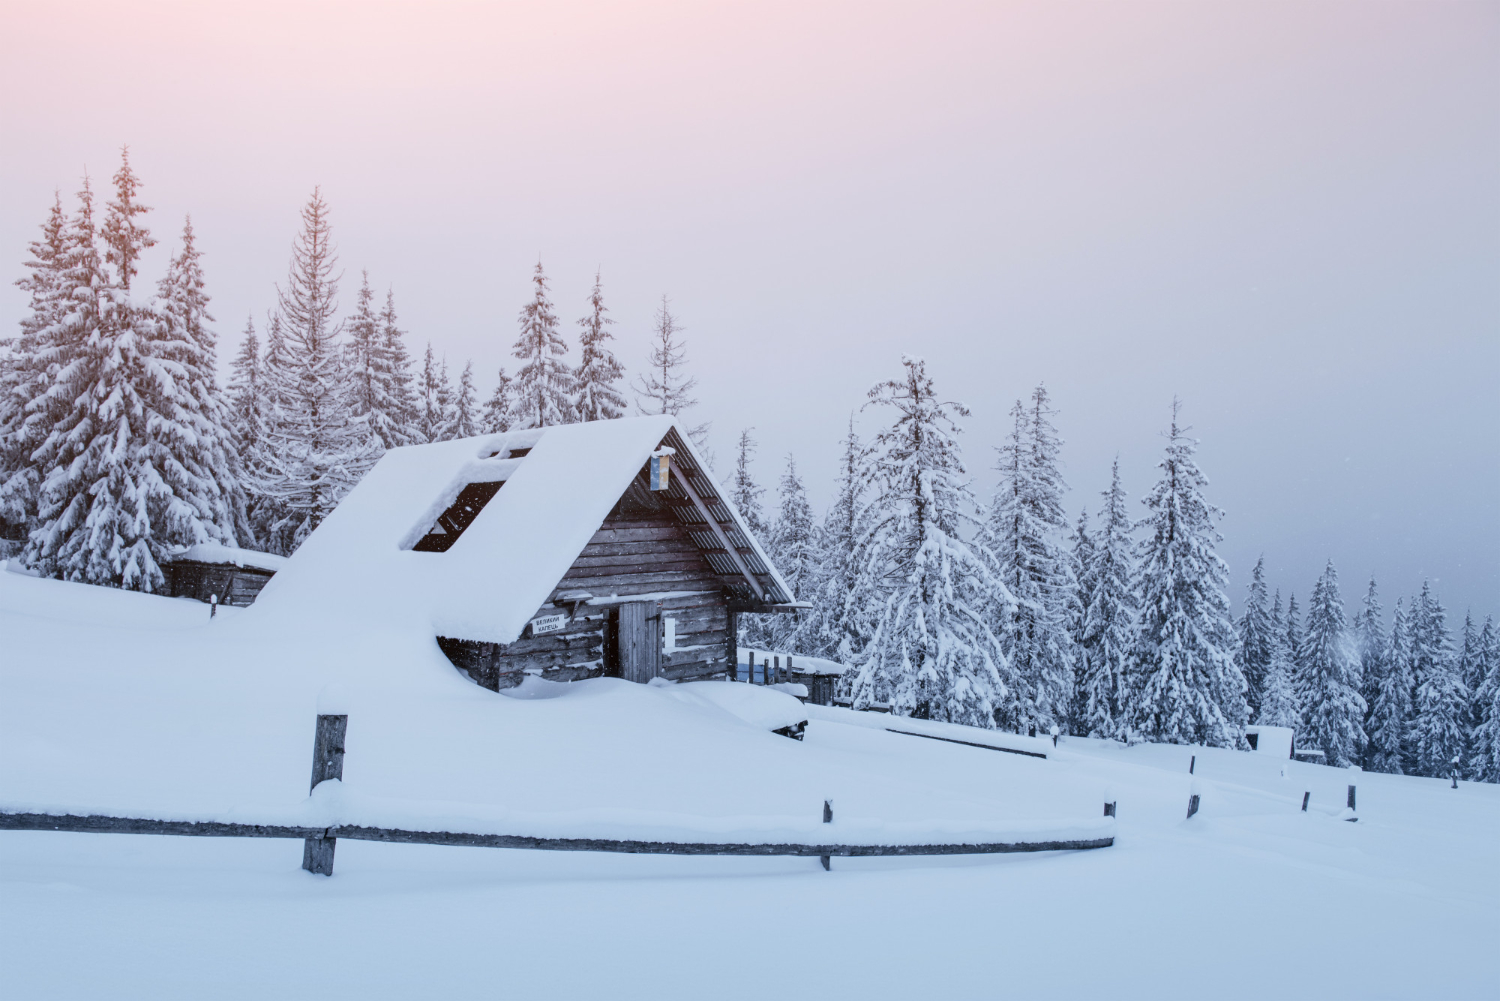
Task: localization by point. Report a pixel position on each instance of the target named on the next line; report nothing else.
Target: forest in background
(119, 447)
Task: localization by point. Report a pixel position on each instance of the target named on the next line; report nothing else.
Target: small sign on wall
(544, 624)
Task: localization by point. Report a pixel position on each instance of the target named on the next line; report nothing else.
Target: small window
(460, 515)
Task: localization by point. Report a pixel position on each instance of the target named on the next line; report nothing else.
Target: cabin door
(639, 638)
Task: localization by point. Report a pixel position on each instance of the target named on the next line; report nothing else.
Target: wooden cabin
(222, 573)
(653, 594)
(564, 553)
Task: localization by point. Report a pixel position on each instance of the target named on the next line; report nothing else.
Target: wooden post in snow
(1109, 810)
(827, 819)
(328, 763)
(734, 646)
(1192, 805)
(1305, 797)
(1192, 763)
(1351, 797)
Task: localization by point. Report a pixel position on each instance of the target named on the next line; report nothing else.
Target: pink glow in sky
(1289, 214)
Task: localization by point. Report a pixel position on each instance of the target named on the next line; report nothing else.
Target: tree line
(1003, 614)
(118, 447)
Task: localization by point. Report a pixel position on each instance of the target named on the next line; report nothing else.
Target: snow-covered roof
(359, 565)
(217, 552)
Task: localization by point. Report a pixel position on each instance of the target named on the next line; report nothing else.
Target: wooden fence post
(1305, 797)
(1192, 805)
(1351, 797)
(827, 819)
(734, 646)
(1192, 763)
(328, 763)
(1109, 810)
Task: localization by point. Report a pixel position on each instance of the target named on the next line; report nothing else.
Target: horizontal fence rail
(95, 824)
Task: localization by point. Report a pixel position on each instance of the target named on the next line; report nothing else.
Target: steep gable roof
(558, 484)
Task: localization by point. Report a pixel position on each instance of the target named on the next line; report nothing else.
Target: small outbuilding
(568, 552)
(211, 571)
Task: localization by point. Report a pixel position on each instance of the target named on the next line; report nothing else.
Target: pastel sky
(1286, 213)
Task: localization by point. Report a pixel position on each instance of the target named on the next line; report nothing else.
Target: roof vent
(458, 517)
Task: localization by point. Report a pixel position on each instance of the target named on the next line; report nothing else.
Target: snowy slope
(129, 703)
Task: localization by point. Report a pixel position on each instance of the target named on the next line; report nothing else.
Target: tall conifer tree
(597, 396)
(931, 649)
(1441, 701)
(1183, 684)
(1278, 706)
(1390, 709)
(1332, 708)
(544, 382)
(1256, 641)
(1109, 618)
(1484, 756)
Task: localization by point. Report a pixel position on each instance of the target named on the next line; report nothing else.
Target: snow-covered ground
(123, 703)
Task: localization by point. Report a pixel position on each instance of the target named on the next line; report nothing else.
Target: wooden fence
(319, 842)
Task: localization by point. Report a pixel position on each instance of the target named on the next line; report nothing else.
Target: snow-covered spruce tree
(1293, 637)
(1333, 711)
(596, 393)
(124, 238)
(1484, 754)
(1389, 718)
(1369, 648)
(133, 460)
(794, 546)
(466, 416)
(375, 390)
(931, 650)
(1183, 685)
(544, 382)
(446, 409)
(28, 363)
(838, 624)
(755, 631)
(1471, 671)
(191, 444)
(1255, 637)
(1278, 705)
(1109, 617)
(1080, 553)
(402, 396)
(496, 416)
(431, 419)
(665, 387)
(315, 449)
(1026, 532)
(1442, 703)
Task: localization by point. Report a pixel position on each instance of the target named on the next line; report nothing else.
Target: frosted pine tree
(1109, 617)
(1471, 671)
(134, 461)
(431, 419)
(375, 392)
(1370, 646)
(1484, 754)
(755, 631)
(497, 411)
(1278, 706)
(191, 445)
(665, 387)
(28, 364)
(1026, 531)
(315, 449)
(1333, 710)
(932, 651)
(597, 395)
(124, 238)
(1183, 684)
(405, 426)
(1255, 637)
(1293, 637)
(1441, 706)
(839, 622)
(1389, 717)
(793, 545)
(544, 382)
(466, 416)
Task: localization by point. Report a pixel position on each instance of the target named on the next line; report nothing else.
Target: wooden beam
(95, 824)
(734, 554)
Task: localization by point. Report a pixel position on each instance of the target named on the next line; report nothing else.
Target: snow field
(134, 704)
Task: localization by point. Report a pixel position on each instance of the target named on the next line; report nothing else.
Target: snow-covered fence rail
(95, 824)
(320, 841)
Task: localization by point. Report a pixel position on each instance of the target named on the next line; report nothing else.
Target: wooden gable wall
(641, 549)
